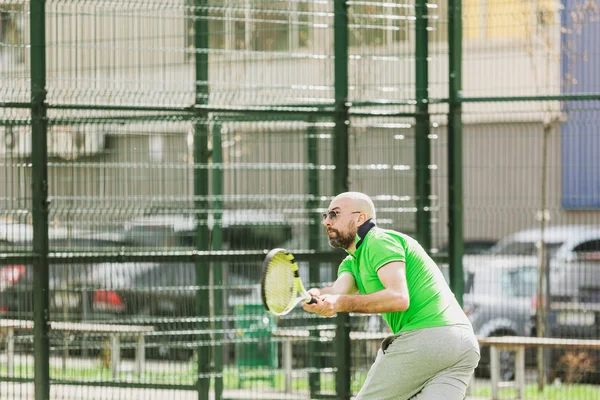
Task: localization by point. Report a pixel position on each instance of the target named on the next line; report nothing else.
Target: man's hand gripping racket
(281, 286)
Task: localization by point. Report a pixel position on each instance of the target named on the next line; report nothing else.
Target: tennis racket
(281, 287)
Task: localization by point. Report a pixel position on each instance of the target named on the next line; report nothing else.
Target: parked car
(499, 300)
(574, 283)
(16, 280)
(574, 312)
(164, 294)
(159, 293)
(563, 243)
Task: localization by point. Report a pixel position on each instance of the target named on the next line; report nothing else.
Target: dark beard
(341, 241)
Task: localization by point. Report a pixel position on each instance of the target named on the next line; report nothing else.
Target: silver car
(501, 286)
(500, 300)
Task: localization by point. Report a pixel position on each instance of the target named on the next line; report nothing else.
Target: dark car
(164, 294)
(65, 299)
(574, 313)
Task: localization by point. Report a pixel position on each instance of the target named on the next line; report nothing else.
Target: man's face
(341, 224)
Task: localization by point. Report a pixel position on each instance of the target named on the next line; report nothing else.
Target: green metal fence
(151, 151)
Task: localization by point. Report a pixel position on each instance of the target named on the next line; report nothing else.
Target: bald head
(354, 201)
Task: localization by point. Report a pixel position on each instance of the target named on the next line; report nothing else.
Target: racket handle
(312, 300)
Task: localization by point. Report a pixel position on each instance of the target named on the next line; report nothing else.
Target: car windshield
(520, 248)
(501, 282)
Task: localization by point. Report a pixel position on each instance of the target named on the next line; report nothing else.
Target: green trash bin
(255, 350)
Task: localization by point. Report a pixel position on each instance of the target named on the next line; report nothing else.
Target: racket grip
(312, 300)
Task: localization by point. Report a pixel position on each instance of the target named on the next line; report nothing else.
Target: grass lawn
(551, 392)
(184, 374)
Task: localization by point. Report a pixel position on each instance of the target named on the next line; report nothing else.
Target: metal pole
(217, 267)
(202, 242)
(341, 184)
(455, 158)
(39, 194)
(543, 265)
(201, 186)
(422, 129)
(314, 273)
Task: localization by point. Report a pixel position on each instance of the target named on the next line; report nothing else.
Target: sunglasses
(334, 214)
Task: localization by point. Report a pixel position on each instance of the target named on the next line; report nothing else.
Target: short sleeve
(346, 266)
(384, 248)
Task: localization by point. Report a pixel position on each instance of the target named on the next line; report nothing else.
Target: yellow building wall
(504, 19)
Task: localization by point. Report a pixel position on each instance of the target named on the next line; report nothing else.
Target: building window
(257, 26)
(12, 47)
(379, 23)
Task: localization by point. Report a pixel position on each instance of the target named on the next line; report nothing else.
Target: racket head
(279, 282)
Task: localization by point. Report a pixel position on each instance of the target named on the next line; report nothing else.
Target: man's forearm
(328, 290)
(379, 302)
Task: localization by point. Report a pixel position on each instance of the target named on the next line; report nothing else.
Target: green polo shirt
(432, 303)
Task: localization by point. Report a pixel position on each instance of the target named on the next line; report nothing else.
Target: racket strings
(279, 285)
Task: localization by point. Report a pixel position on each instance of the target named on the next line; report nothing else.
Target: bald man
(433, 351)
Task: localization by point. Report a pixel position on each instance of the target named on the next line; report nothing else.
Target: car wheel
(507, 365)
(163, 346)
(507, 362)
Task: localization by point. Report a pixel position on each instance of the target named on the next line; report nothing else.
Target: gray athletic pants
(425, 364)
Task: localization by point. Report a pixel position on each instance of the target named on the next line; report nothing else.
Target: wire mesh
(382, 162)
(259, 53)
(513, 174)
(186, 129)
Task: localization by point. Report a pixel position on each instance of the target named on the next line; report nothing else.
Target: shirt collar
(362, 231)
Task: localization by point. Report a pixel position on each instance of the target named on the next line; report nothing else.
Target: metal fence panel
(185, 138)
